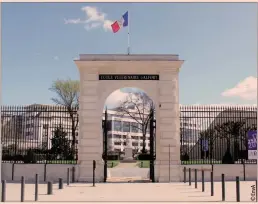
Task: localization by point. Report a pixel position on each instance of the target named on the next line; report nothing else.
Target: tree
(138, 106)
(230, 131)
(60, 144)
(67, 92)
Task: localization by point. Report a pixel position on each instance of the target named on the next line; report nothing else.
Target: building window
(117, 143)
(135, 144)
(124, 143)
(117, 126)
(126, 126)
(134, 127)
(117, 136)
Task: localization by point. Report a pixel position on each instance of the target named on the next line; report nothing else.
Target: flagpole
(128, 35)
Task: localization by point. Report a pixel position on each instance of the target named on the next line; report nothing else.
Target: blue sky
(218, 42)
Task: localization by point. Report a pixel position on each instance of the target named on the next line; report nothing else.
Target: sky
(218, 42)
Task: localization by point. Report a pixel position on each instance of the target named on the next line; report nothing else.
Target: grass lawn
(112, 164)
(143, 164)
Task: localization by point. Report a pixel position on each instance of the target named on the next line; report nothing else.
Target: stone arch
(94, 92)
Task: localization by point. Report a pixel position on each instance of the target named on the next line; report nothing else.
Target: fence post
(94, 167)
(203, 181)
(3, 191)
(195, 177)
(22, 188)
(49, 188)
(73, 174)
(190, 182)
(13, 171)
(60, 182)
(237, 189)
(212, 184)
(45, 172)
(68, 176)
(223, 186)
(36, 186)
(244, 169)
(184, 174)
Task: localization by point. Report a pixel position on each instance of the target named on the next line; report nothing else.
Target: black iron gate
(104, 155)
(152, 146)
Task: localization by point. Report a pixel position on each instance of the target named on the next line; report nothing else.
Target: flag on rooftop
(117, 25)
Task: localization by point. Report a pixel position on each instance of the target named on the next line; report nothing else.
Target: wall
(55, 171)
(230, 171)
(52, 171)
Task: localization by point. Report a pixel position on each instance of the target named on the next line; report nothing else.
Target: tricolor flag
(119, 24)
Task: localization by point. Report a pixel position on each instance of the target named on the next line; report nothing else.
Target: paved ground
(128, 170)
(131, 192)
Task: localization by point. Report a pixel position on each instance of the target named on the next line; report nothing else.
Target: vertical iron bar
(36, 187)
(195, 177)
(190, 179)
(203, 187)
(212, 184)
(22, 188)
(3, 191)
(237, 189)
(223, 186)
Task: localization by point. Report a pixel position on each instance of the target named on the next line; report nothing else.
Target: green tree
(60, 144)
(67, 95)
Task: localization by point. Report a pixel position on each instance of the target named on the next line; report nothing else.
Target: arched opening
(128, 124)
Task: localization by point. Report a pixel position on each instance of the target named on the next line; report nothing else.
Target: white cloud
(56, 58)
(94, 19)
(246, 89)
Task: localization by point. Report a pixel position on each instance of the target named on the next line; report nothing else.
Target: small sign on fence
(252, 144)
(205, 145)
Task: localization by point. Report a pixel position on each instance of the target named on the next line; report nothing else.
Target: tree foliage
(67, 95)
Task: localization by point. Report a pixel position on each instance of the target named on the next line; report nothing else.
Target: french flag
(117, 25)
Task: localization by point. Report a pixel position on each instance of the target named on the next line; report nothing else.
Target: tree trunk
(144, 143)
(73, 139)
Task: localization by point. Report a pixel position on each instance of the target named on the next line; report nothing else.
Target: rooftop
(125, 57)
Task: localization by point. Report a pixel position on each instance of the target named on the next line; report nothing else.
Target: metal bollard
(237, 189)
(3, 191)
(203, 187)
(60, 183)
(36, 186)
(184, 174)
(49, 188)
(68, 177)
(195, 177)
(223, 186)
(22, 188)
(212, 184)
(93, 176)
(190, 182)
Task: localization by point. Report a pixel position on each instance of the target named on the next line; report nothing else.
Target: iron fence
(48, 134)
(39, 134)
(216, 134)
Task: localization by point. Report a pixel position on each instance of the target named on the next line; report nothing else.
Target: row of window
(124, 126)
(124, 137)
(135, 144)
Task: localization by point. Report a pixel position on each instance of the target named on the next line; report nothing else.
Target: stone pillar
(90, 129)
(168, 128)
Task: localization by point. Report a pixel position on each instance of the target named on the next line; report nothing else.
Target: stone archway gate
(157, 75)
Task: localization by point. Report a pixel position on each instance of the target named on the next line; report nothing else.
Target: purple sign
(205, 145)
(252, 140)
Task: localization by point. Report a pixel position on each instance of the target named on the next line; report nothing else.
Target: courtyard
(131, 192)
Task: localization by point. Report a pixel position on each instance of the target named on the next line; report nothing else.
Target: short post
(3, 191)
(49, 188)
(195, 177)
(36, 186)
(93, 179)
(203, 181)
(237, 189)
(190, 182)
(212, 184)
(184, 174)
(223, 186)
(22, 188)
(68, 176)
(60, 183)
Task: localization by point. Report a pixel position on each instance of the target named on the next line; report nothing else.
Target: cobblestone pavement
(131, 192)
